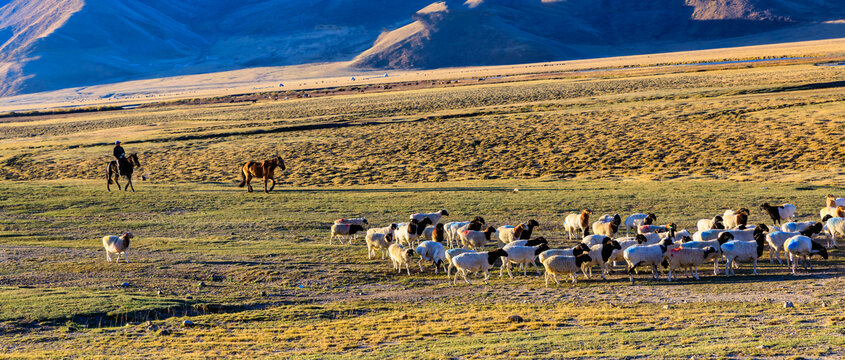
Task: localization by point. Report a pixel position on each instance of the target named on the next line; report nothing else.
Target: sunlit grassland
(748, 123)
(273, 286)
(256, 275)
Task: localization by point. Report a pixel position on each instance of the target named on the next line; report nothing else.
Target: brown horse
(127, 170)
(264, 169)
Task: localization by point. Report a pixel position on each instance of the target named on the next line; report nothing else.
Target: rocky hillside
(53, 44)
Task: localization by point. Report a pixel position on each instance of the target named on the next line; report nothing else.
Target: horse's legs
(272, 184)
(265, 185)
(116, 178)
(129, 178)
(248, 179)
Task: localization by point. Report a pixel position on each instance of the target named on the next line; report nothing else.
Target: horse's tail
(243, 178)
(110, 172)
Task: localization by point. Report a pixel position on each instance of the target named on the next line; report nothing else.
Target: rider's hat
(117, 142)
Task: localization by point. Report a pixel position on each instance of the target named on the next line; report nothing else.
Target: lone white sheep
(117, 245)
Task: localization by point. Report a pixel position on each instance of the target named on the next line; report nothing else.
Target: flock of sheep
(727, 236)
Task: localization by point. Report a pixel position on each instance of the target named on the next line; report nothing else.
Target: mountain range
(55, 44)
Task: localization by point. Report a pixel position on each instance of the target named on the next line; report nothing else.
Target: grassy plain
(256, 275)
(273, 286)
(770, 122)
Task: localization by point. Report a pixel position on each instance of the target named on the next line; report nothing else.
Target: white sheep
(340, 231)
(838, 211)
(509, 234)
(652, 255)
(689, 258)
(453, 229)
(564, 265)
(377, 241)
(741, 250)
(434, 217)
(801, 246)
(796, 226)
(716, 243)
(625, 243)
(451, 254)
(647, 229)
(117, 245)
(776, 239)
(707, 235)
(834, 227)
(578, 222)
(575, 251)
(600, 254)
(432, 251)
(476, 239)
(522, 255)
(400, 256)
(748, 234)
(736, 218)
(634, 221)
(707, 224)
(354, 221)
(389, 229)
(778, 213)
(654, 238)
(607, 225)
(473, 262)
(833, 201)
(410, 232)
(594, 239)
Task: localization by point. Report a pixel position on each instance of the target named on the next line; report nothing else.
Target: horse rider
(120, 155)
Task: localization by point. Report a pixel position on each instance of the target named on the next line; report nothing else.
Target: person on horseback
(120, 155)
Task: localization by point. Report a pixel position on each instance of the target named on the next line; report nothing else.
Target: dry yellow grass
(665, 123)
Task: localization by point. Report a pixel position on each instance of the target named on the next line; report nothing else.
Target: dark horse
(264, 169)
(125, 170)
